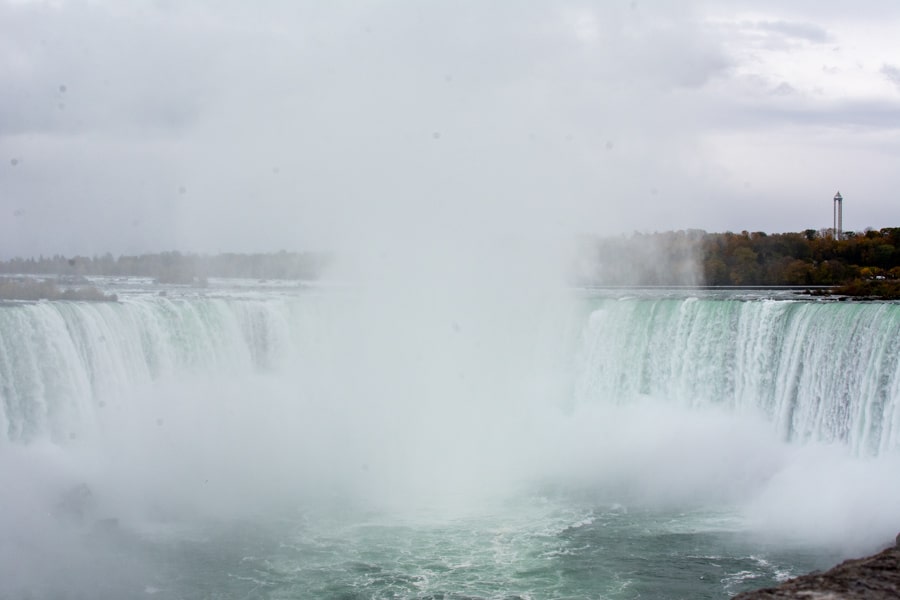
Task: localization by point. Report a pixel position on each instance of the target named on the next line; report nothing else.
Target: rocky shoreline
(874, 577)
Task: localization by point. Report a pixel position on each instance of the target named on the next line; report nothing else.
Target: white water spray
(186, 408)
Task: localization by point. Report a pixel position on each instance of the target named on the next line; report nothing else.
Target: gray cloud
(860, 114)
(308, 125)
(783, 89)
(892, 74)
(809, 32)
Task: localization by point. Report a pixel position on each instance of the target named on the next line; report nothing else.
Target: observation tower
(838, 216)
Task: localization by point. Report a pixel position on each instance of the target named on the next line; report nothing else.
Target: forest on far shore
(175, 267)
(694, 257)
(859, 264)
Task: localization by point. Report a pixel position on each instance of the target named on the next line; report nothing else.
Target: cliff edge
(874, 577)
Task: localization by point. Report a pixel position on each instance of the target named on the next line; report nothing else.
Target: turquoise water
(248, 442)
(533, 548)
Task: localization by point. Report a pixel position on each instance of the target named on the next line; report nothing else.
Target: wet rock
(874, 577)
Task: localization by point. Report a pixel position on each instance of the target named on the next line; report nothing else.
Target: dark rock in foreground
(874, 578)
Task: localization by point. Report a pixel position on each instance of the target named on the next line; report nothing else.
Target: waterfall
(819, 371)
(60, 362)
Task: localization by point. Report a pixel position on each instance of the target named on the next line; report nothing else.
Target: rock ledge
(875, 577)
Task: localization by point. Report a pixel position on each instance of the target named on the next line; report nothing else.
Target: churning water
(268, 442)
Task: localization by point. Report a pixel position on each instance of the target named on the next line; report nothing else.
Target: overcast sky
(234, 126)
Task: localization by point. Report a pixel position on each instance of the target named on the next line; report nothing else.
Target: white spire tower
(838, 216)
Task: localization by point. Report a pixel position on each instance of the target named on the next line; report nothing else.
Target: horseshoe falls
(824, 372)
(262, 442)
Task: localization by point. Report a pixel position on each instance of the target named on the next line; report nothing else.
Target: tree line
(808, 258)
(690, 257)
(695, 257)
(175, 267)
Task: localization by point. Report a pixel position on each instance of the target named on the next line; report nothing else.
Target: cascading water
(826, 372)
(62, 362)
(263, 443)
